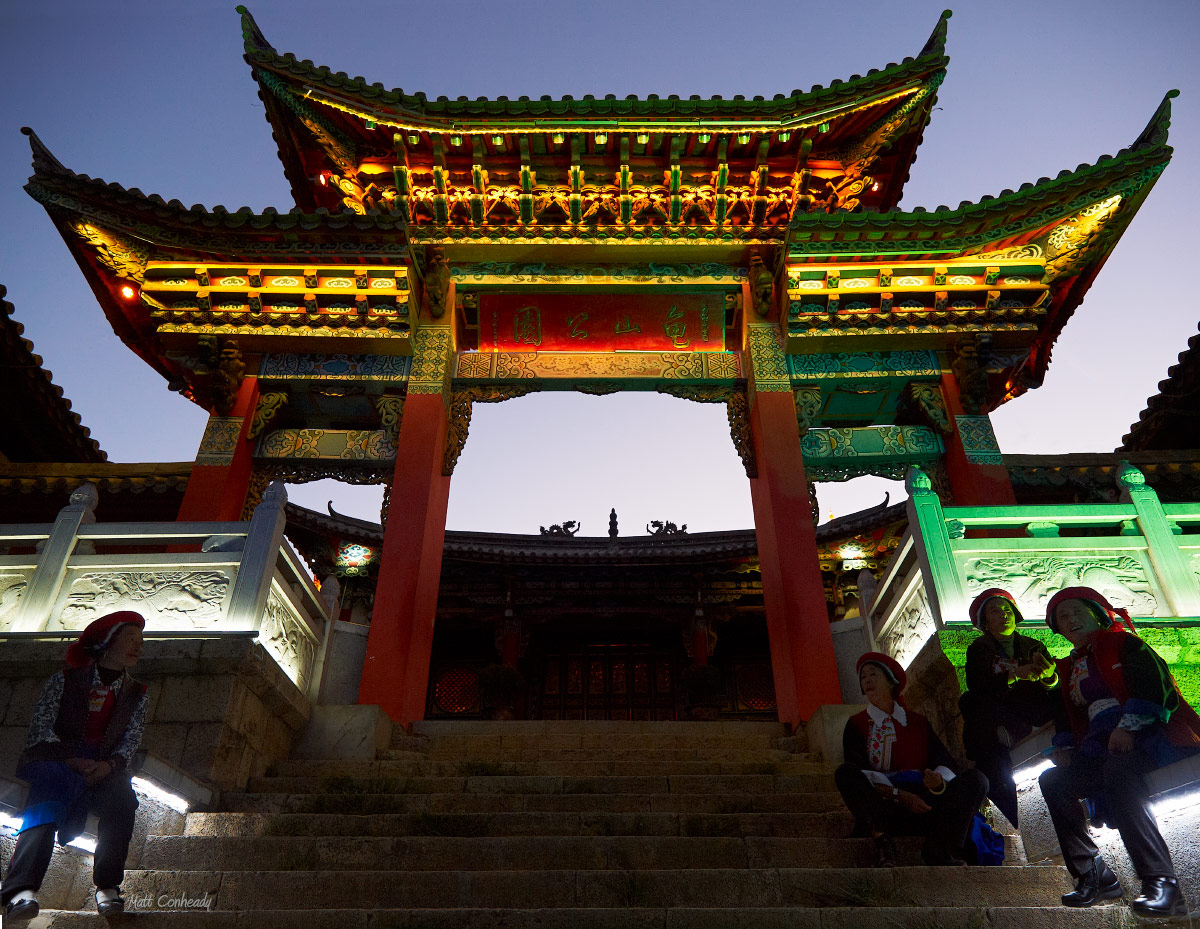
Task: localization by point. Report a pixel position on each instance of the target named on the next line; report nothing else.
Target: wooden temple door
(626, 680)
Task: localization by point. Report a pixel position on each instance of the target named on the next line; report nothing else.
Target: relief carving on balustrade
(12, 586)
(167, 599)
(905, 633)
(1123, 578)
(288, 639)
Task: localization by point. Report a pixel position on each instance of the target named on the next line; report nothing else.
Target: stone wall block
(199, 698)
(224, 655)
(6, 692)
(227, 759)
(170, 656)
(264, 678)
(252, 721)
(24, 697)
(153, 693)
(933, 692)
(200, 750)
(167, 740)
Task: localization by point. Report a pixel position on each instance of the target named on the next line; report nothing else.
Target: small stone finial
(275, 495)
(867, 586)
(1129, 477)
(917, 482)
(85, 497)
(612, 523)
(331, 589)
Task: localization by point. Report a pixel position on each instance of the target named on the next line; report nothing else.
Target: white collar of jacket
(878, 716)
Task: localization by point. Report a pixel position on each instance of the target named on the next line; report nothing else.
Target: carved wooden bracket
(738, 411)
(269, 404)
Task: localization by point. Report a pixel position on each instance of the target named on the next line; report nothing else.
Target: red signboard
(563, 322)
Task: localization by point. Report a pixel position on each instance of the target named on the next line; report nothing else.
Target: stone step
(837, 824)
(491, 853)
(420, 766)
(374, 803)
(570, 755)
(891, 917)
(660, 731)
(874, 892)
(549, 783)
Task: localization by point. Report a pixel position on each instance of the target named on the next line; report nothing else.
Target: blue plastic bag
(985, 846)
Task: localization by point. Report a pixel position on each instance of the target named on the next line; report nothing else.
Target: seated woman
(1009, 691)
(898, 778)
(85, 730)
(1122, 717)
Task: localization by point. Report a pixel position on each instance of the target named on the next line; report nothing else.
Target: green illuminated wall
(1178, 645)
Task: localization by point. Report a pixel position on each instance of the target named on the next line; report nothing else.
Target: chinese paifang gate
(443, 253)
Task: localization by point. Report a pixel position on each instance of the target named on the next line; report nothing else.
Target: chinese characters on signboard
(559, 322)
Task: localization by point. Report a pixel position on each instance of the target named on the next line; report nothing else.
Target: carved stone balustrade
(204, 578)
(1140, 553)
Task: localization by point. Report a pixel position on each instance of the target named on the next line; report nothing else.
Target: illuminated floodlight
(153, 792)
(1174, 804)
(1026, 776)
(9, 824)
(84, 844)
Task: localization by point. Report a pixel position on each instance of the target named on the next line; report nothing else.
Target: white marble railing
(1141, 554)
(241, 576)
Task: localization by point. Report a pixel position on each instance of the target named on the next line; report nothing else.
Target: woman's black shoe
(20, 910)
(1161, 896)
(1099, 883)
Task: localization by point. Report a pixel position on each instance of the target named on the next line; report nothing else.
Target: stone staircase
(563, 824)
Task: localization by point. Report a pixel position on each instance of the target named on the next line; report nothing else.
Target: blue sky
(155, 95)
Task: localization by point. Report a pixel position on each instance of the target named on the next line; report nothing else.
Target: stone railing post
(257, 568)
(331, 591)
(1175, 578)
(934, 554)
(33, 610)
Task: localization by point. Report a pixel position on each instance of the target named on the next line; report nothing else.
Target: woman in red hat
(1123, 717)
(898, 778)
(1009, 691)
(85, 730)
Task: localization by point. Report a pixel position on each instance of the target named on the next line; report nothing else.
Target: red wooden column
(216, 490)
(973, 462)
(802, 656)
(400, 642)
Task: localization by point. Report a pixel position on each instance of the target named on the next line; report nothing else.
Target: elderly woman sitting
(1123, 717)
(898, 778)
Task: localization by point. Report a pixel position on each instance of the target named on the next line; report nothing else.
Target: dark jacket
(1139, 679)
(71, 716)
(988, 683)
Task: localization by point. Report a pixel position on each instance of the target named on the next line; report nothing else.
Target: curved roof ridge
(1172, 388)
(257, 47)
(1158, 128)
(72, 430)
(870, 517)
(45, 164)
(1153, 140)
(936, 43)
(252, 36)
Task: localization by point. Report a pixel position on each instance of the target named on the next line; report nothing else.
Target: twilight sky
(155, 95)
